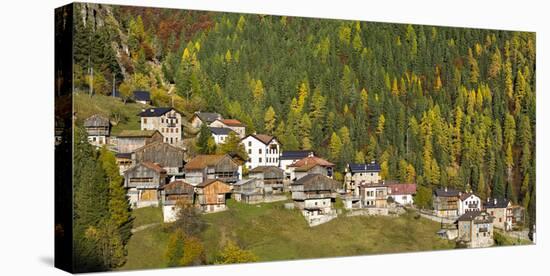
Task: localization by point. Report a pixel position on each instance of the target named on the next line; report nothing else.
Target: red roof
(231, 122)
(402, 188)
(310, 160)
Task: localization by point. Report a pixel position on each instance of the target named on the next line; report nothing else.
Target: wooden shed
(143, 181)
(98, 129)
(171, 194)
(208, 167)
(271, 176)
(212, 195)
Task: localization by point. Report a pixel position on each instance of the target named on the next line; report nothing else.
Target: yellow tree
(269, 120)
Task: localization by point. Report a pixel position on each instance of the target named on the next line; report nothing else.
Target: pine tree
(335, 147)
(269, 120)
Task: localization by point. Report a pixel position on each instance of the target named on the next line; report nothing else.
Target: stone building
(166, 120)
(360, 173)
(313, 195)
(475, 229)
(501, 210)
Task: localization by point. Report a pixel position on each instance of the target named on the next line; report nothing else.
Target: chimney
(495, 201)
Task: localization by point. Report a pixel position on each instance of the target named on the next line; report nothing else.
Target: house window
(249, 151)
(144, 120)
(371, 174)
(260, 160)
(250, 143)
(260, 151)
(176, 130)
(162, 120)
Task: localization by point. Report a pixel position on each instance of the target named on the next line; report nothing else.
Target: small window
(249, 151)
(260, 151)
(144, 120)
(250, 143)
(260, 160)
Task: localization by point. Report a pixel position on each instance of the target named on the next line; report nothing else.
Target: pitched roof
(137, 133)
(264, 138)
(210, 181)
(96, 120)
(295, 154)
(312, 160)
(446, 192)
(154, 111)
(203, 160)
(123, 155)
(232, 122)
(244, 181)
(307, 167)
(208, 117)
(464, 196)
(220, 130)
(317, 182)
(261, 169)
(496, 203)
(153, 166)
(369, 167)
(177, 187)
(402, 189)
(472, 215)
(140, 95)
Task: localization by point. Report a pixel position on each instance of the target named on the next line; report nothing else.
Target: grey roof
(96, 120)
(446, 192)
(470, 216)
(140, 95)
(369, 167)
(244, 181)
(295, 154)
(496, 203)
(154, 111)
(317, 182)
(220, 130)
(208, 117)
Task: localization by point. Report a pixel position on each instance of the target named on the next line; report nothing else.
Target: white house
(288, 158)
(468, 203)
(263, 150)
(207, 118)
(402, 193)
(220, 134)
(232, 124)
(164, 119)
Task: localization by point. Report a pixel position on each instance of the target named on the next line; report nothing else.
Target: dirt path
(143, 227)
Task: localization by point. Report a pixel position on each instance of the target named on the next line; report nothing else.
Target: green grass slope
(275, 233)
(85, 106)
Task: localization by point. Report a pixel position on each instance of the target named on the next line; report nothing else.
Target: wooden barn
(445, 202)
(167, 156)
(271, 177)
(211, 195)
(173, 193)
(208, 167)
(248, 190)
(98, 129)
(143, 181)
(130, 140)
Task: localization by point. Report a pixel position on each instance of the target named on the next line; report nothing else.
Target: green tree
(269, 120)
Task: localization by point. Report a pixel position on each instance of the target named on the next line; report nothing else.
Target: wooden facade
(98, 129)
(130, 140)
(173, 193)
(167, 156)
(271, 177)
(208, 167)
(445, 202)
(212, 194)
(142, 182)
(249, 190)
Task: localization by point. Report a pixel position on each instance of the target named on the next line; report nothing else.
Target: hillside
(253, 227)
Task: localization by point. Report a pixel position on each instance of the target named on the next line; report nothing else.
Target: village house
(124, 161)
(174, 193)
(167, 156)
(232, 124)
(445, 202)
(142, 97)
(164, 119)
(312, 168)
(263, 150)
(468, 202)
(208, 167)
(290, 156)
(402, 193)
(248, 190)
(98, 129)
(475, 229)
(308, 163)
(313, 195)
(212, 195)
(130, 140)
(271, 178)
(501, 210)
(373, 195)
(360, 173)
(220, 134)
(142, 182)
(207, 118)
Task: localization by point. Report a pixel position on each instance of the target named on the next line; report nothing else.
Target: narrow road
(143, 227)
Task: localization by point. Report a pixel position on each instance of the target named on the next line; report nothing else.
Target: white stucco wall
(259, 154)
